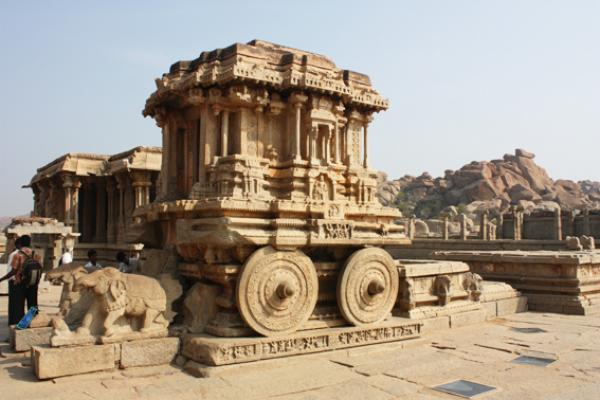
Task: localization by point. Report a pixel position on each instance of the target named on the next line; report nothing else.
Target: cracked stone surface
(481, 353)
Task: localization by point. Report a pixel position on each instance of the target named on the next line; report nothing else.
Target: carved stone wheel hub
(277, 291)
(368, 286)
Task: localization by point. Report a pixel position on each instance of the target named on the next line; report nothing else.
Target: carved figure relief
(473, 284)
(73, 304)
(441, 289)
(124, 306)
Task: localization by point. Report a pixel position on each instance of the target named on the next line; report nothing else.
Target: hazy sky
(467, 80)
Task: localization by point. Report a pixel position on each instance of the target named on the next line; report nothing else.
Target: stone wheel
(276, 291)
(367, 288)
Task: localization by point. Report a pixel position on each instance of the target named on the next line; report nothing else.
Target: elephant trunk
(84, 282)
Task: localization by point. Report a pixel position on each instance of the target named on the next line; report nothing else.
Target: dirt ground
(480, 353)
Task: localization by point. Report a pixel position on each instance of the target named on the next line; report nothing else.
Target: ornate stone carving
(336, 230)
(473, 284)
(368, 286)
(441, 289)
(73, 304)
(276, 291)
(124, 307)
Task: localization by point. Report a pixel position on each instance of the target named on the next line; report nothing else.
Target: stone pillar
(141, 186)
(445, 231)
(36, 200)
(365, 147)
(516, 227)
(411, 228)
(325, 148)
(75, 205)
(68, 190)
(164, 168)
(462, 218)
(313, 143)
(224, 132)
(348, 134)
(50, 203)
(586, 222)
(557, 224)
(110, 221)
(483, 226)
(336, 137)
(298, 131)
(41, 211)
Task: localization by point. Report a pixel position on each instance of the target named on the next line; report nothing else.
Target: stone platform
(211, 350)
(52, 362)
(566, 282)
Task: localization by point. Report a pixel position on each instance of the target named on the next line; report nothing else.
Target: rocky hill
(488, 185)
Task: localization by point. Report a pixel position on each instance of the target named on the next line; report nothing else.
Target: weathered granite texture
(564, 282)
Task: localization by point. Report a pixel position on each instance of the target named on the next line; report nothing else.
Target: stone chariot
(266, 190)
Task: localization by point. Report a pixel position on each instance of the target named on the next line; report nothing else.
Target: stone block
(511, 306)
(53, 362)
(436, 324)
(143, 353)
(490, 309)
(467, 318)
(24, 339)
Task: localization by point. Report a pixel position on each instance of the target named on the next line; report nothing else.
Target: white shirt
(133, 263)
(67, 258)
(91, 267)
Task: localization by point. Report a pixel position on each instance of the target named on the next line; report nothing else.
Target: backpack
(31, 270)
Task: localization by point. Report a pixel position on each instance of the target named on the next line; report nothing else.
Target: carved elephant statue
(72, 305)
(135, 297)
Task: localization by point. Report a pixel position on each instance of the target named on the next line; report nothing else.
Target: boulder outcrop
(493, 185)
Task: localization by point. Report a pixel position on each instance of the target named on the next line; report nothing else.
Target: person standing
(12, 288)
(24, 291)
(92, 264)
(125, 264)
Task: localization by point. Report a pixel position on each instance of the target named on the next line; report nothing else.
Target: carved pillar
(517, 224)
(141, 186)
(50, 203)
(224, 132)
(75, 205)
(324, 148)
(314, 131)
(42, 199)
(365, 148)
(164, 168)
(586, 222)
(110, 221)
(462, 218)
(336, 137)
(298, 130)
(68, 189)
(483, 226)
(557, 224)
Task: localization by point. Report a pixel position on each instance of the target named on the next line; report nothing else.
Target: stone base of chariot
(212, 350)
(53, 362)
